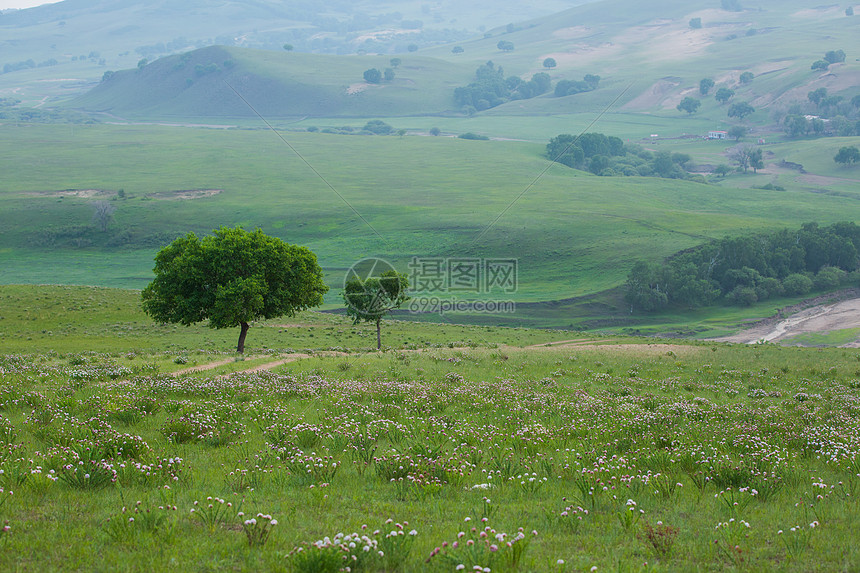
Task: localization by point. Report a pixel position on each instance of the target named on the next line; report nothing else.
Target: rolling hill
(651, 53)
(201, 83)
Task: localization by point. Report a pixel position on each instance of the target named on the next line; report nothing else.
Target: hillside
(652, 54)
(53, 51)
(200, 84)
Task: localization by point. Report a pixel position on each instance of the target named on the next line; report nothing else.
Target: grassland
(575, 234)
(618, 454)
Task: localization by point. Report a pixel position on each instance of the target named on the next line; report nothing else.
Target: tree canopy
(740, 110)
(847, 155)
(724, 94)
(232, 278)
(689, 104)
(746, 269)
(370, 299)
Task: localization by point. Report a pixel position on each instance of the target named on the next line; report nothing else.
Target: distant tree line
(747, 269)
(33, 115)
(572, 87)
(491, 88)
(609, 156)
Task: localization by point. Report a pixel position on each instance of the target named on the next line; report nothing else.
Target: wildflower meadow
(604, 457)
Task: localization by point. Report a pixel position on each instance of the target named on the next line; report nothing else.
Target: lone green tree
(847, 155)
(723, 95)
(705, 86)
(689, 104)
(373, 76)
(370, 299)
(232, 278)
(549, 63)
(740, 110)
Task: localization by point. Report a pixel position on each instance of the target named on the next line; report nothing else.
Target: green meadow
(349, 197)
(458, 447)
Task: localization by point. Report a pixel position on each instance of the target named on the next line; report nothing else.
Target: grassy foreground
(618, 454)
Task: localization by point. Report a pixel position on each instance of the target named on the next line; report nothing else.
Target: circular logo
(365, 289)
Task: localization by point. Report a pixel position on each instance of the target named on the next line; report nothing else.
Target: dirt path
(202, 367)
(840, 315)
(574, 342)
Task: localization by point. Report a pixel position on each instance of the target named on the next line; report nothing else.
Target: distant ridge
(198, 84)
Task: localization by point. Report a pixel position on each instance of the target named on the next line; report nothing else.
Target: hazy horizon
(21, 4)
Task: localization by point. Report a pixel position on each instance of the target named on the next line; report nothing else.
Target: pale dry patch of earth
(184, 195)
(821, 318)
(77, 193)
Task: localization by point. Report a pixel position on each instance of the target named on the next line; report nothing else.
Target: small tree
(740, 110)
(373, 76)
(816, 96)
(705, 86)
(741, 155)
(689, 104)
(412, 48)
(695, 23)
(505, 46)
(723, 95)
(388, 75)
(849, 11)
(288, 47)
(796, 125)
(457, 50)
(835, 56)
(550, 63)
(722, 170)
(395, 62)
(847, 155)
(103, 214)
(232, 278)
(756, 159)
(747, 77)
(369, 300)
(435, 131)
(142, 63)
(378, 127)
(820, 65)
(737, 131)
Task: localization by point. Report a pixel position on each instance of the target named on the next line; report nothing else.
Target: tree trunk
(378, 334)
(240, 348)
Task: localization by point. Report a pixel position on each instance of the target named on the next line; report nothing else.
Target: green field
(574, 234)
(611, 453)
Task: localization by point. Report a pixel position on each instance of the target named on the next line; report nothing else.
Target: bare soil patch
(825, 180)
(572, 32)
(184, 195)
(654, 95)
(78, 193)
(822, 314)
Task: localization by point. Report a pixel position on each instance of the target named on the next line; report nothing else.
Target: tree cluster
(747, 269)
(830, 57)
(834, 115)
(609, 156)
(491, 88)
(572, 87)
(847, 155)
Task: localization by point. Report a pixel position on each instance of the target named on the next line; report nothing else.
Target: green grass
(69, 319)
(573, 233)
(831, 338)
(565, 436)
